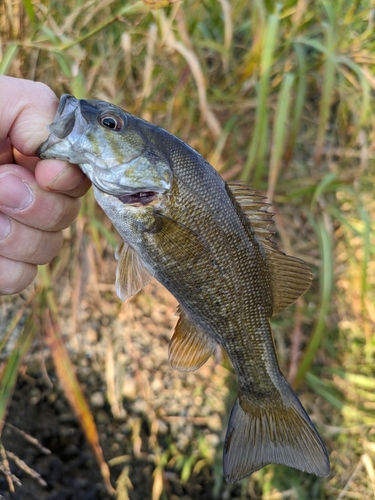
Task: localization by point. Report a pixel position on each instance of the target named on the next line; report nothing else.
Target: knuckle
(15, 276)
(48, 247)
(30, 245)
(52, 247)
(63, 214)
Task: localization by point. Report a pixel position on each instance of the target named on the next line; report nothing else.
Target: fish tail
(260, 433)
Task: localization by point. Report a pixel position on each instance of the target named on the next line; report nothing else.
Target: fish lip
(139, 197)
(67, 104)
(129, 191)
(62, 125)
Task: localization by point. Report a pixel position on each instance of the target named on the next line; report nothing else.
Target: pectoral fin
(131, 274)
(190, 346)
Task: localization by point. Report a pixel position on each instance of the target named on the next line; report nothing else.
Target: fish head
(110, 149)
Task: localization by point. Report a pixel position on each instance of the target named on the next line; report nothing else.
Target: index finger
(26, 108)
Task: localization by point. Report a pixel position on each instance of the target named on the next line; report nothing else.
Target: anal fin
(190, 346)
(131, 273)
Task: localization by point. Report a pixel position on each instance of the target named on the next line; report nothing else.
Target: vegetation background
(279, 95)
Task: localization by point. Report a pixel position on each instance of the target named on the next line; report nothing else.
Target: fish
(209, 243)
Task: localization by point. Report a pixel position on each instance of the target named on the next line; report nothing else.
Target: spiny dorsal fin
(190, 347)
(291, 277)
(131, 274)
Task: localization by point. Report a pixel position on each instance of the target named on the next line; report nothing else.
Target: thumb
(26, 108)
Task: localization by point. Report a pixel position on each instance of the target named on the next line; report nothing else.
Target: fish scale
(209, 244)
(245, 342)
(236, 259)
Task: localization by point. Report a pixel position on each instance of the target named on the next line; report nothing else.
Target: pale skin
(38, 198)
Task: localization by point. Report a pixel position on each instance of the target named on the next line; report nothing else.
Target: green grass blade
(259, 141)
(280, 132)
(322, 388)
(366, 254)
(324, 185)
(126, 10)
(8, 57)
(10, 373)
(328, 83)
(362, 381)
(326, 284)
(30, 12)
(299, 96)
(365, 94)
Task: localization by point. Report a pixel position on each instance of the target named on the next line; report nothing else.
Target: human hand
(38, 198)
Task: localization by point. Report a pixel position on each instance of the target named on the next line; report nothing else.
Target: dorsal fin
(291, 277)
(190, 347)
(131, 274)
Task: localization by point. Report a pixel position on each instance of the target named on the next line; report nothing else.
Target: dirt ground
(70, 471)
(157, 427)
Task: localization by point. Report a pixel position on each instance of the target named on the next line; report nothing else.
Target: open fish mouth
(142, 197)
(65, 117)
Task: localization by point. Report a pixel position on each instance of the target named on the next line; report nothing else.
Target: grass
(279, 95)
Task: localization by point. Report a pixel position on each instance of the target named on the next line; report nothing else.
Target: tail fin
(258, 435)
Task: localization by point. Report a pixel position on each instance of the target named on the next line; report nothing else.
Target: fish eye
(112, 121)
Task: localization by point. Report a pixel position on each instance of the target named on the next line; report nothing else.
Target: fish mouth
(63, 122)
(138, 198)
(61, 129)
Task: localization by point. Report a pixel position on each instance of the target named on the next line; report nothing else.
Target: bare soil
(159, 429)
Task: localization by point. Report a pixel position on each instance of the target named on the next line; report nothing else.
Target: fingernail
(14, 192)
(4, 226)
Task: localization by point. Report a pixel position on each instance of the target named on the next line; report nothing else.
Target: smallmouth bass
(208, 243)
